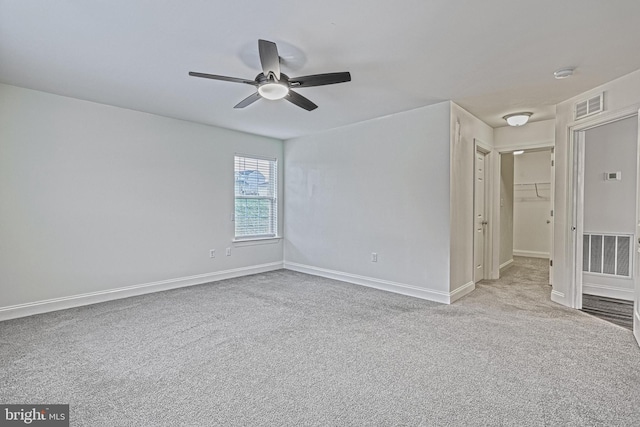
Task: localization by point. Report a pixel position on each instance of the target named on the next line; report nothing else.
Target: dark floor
(612, 310)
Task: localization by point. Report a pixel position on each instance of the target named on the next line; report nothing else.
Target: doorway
(606, 157)
(609, 173)
(532, 203)
(526, 205)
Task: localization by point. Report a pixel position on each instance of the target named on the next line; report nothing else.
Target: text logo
(34, 415)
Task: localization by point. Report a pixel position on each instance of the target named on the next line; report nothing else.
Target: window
(256, 203)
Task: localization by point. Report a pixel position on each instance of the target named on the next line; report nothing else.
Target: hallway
(529, 277)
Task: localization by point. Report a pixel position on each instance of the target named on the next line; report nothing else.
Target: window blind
(256, 204)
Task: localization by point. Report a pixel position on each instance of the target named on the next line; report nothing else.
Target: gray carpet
(288, 349)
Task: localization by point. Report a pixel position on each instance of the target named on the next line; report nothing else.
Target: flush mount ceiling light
(563, 73)
(518, 152)
(517, 119)
(273, 91)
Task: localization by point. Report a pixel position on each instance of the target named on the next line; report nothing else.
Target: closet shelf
(532, 192)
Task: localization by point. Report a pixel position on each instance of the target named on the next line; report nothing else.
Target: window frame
(273, 219)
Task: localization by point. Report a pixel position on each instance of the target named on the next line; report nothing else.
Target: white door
(636, 297)
(552, 213)
(479, 216)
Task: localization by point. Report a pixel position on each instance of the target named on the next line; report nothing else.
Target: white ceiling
(492, 57)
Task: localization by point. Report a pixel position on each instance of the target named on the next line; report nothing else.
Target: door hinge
(550, 263)
(551, 162)
(551, 212)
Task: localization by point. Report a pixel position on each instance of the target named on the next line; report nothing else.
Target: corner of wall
(466, 129)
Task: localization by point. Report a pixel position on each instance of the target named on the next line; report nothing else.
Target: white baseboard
(558, 297)
(607, 291)
(530, 254)
(384, 285)
(505, 265)
(45, 306)
(461, 291)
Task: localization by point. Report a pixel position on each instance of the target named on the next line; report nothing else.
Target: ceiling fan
(272, 84)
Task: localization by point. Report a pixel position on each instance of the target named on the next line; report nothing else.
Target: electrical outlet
(228, 251)
(212, 253)
(374, 257)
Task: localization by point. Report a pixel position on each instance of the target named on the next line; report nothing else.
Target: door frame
(489, 189)
(552, 213)
(636, 285)
(546, 145)
(575, 215)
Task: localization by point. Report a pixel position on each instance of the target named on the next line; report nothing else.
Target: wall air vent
(607, 254)
(589, 106)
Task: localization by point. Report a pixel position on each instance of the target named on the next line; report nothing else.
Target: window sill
(252, 241)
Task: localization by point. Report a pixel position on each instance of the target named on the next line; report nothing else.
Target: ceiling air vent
(589, 106)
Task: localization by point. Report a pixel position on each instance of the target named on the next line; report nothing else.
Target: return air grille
(607, 254)
(589, 106)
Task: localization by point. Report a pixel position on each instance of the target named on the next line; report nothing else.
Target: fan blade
(223, 78)
(300, 101)
(321, 79)
(248, 100)
(269, 58)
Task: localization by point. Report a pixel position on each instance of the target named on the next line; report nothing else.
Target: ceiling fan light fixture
(273, 91)
(517, 119)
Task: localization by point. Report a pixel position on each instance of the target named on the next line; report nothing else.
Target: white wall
(610, 206)
(462, 180)
(532, 135)
(378, 186)
(531, 208)
(622, 94)
(94, 198)
(506, 209)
